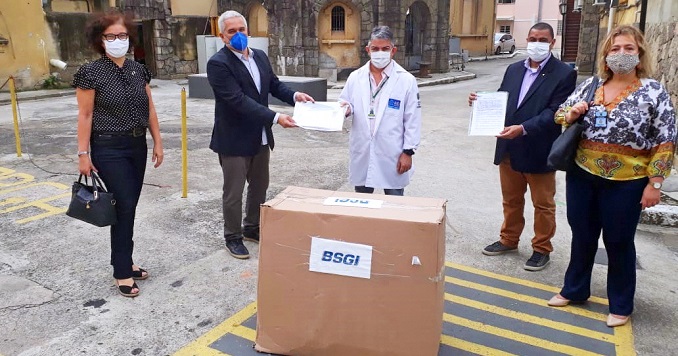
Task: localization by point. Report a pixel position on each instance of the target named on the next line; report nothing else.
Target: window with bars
(505, 29)
(338, 19)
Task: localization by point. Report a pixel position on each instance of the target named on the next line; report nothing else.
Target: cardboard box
(350, 274)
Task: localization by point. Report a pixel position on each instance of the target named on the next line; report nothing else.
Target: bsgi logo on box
(341, 258)
(338, 257)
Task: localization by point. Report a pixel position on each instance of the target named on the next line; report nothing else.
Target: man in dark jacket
(241, 78)
(536, 87)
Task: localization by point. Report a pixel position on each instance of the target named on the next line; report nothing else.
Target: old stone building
(327, 37)
(306, 37)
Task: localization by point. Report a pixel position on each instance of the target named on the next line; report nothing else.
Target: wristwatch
(409, 152)
(656, 185)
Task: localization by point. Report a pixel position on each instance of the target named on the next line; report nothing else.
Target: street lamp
(562, 6)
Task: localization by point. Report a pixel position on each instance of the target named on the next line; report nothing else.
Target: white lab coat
(374, 159)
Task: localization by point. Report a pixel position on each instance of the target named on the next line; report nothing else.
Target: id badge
(371, 114)
(600, 117)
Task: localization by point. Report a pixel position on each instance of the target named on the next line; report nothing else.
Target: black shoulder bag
(564, 148)
(92, 204)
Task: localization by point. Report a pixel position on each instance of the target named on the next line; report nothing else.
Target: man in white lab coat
(384, 101)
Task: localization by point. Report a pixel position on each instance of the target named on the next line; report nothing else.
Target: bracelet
(82, 153)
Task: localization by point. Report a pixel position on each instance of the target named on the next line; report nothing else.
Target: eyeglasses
(110, 37)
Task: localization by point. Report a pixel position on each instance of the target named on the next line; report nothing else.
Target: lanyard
(381, 85)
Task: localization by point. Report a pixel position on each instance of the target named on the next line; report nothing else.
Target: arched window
(338, 19)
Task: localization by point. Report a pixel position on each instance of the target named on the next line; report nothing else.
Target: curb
(449, 80)
(20, 97)
(30, 96)
(491, 57)
(660, 215)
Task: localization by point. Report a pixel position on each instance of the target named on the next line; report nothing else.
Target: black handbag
(92, 204)
(564, 148)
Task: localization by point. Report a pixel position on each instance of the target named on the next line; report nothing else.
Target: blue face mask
(239, 41)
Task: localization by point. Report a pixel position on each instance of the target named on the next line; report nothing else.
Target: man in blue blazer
(241, 78)
(536, 87)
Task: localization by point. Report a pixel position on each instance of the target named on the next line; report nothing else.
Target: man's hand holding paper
(488, 114)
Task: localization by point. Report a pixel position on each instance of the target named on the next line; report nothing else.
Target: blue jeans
(121, 163)
(368, 190)
(595, 204)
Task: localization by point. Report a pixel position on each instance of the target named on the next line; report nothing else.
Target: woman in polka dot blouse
(115, 109)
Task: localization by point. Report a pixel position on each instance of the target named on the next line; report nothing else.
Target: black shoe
(497, 248)
(237, 249)
(251, 235)
(141, 274)
(537, 262)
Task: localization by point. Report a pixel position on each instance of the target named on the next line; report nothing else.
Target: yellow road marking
(531, 318)
(523, 298)
(33, 185)
(472, 347)
(624, 345)
(245, 333)
(515, 336)
(201, 345)
(527, 283)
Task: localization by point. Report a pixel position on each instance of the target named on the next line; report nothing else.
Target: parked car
(503, 42)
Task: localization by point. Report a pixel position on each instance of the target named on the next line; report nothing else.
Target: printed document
(321, 116)
(488, 114)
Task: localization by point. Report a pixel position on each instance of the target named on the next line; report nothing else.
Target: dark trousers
(368, 190)
(121, 162)
(237, 170)
(595, 204)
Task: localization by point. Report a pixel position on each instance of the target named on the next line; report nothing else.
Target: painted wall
(70, 6)
(525, 13)
(30, 47)
(665, 11)
(194, 7)
(472, 21)
(343, 48)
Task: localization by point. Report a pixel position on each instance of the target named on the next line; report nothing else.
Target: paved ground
(485, 313)
(56, 290)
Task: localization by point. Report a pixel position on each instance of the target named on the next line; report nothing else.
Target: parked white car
(503, 42)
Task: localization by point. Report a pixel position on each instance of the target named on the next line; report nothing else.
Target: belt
(135, 132)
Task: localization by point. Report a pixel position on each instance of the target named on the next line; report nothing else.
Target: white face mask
(538, 51)
(116, 49)
(380, 59)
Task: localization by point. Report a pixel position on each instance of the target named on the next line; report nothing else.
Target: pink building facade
(517, 16)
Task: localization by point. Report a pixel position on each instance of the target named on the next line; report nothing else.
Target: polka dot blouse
(120, 100)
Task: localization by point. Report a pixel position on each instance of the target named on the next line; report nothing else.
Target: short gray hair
(382, 33)
(227, 15)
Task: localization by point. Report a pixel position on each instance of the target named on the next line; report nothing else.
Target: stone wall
(175, 45)
(589, 30)
(147, 9)
(662, 39)
(68, 30)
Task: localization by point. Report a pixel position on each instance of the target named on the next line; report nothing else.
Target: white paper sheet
(342, 258)
(321, 116)
(488, 114)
